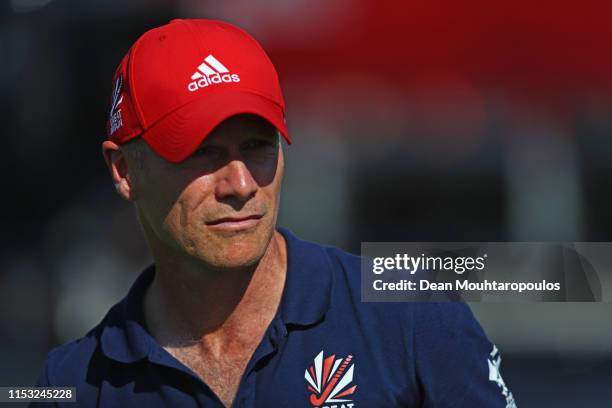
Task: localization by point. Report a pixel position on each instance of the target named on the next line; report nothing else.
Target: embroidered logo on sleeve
(494, 361)
(329, 381)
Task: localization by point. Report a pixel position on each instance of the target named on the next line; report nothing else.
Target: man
(235, 312)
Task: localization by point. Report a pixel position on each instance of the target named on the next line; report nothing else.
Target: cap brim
(178, 135)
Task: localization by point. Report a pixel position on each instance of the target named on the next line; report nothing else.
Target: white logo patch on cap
(115, 111)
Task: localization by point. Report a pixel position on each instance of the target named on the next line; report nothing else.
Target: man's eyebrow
(263, 134)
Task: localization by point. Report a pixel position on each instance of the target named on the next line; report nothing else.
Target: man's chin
(232, 251)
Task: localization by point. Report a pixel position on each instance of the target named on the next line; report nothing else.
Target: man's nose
(236, 181)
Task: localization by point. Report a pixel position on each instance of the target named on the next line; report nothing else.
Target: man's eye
(258, 144)
(206, 151)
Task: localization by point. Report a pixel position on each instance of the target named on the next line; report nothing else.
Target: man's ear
(118, 167)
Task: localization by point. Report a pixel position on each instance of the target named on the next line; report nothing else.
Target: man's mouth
(234, 224)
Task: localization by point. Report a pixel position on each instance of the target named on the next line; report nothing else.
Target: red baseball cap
(179, 81)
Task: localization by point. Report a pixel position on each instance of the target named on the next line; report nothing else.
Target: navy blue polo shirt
(324, 348)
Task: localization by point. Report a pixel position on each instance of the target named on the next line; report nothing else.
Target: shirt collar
(306, 298)
(308, 286)
(124, 335)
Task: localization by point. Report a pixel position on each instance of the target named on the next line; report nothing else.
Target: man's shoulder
(419, 317)
(343, 262)
(119, 336)
(67, 357)
(347, 259)
(69, 363)
(344, 269)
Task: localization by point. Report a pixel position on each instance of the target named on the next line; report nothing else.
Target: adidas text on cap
(179, 81)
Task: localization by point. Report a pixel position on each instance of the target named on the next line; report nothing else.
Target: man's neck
(187, 304)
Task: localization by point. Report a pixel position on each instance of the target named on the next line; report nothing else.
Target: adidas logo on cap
(210, 72)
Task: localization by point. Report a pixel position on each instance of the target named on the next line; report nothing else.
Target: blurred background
(411, 120)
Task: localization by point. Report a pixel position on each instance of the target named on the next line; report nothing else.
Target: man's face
(221, 204)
